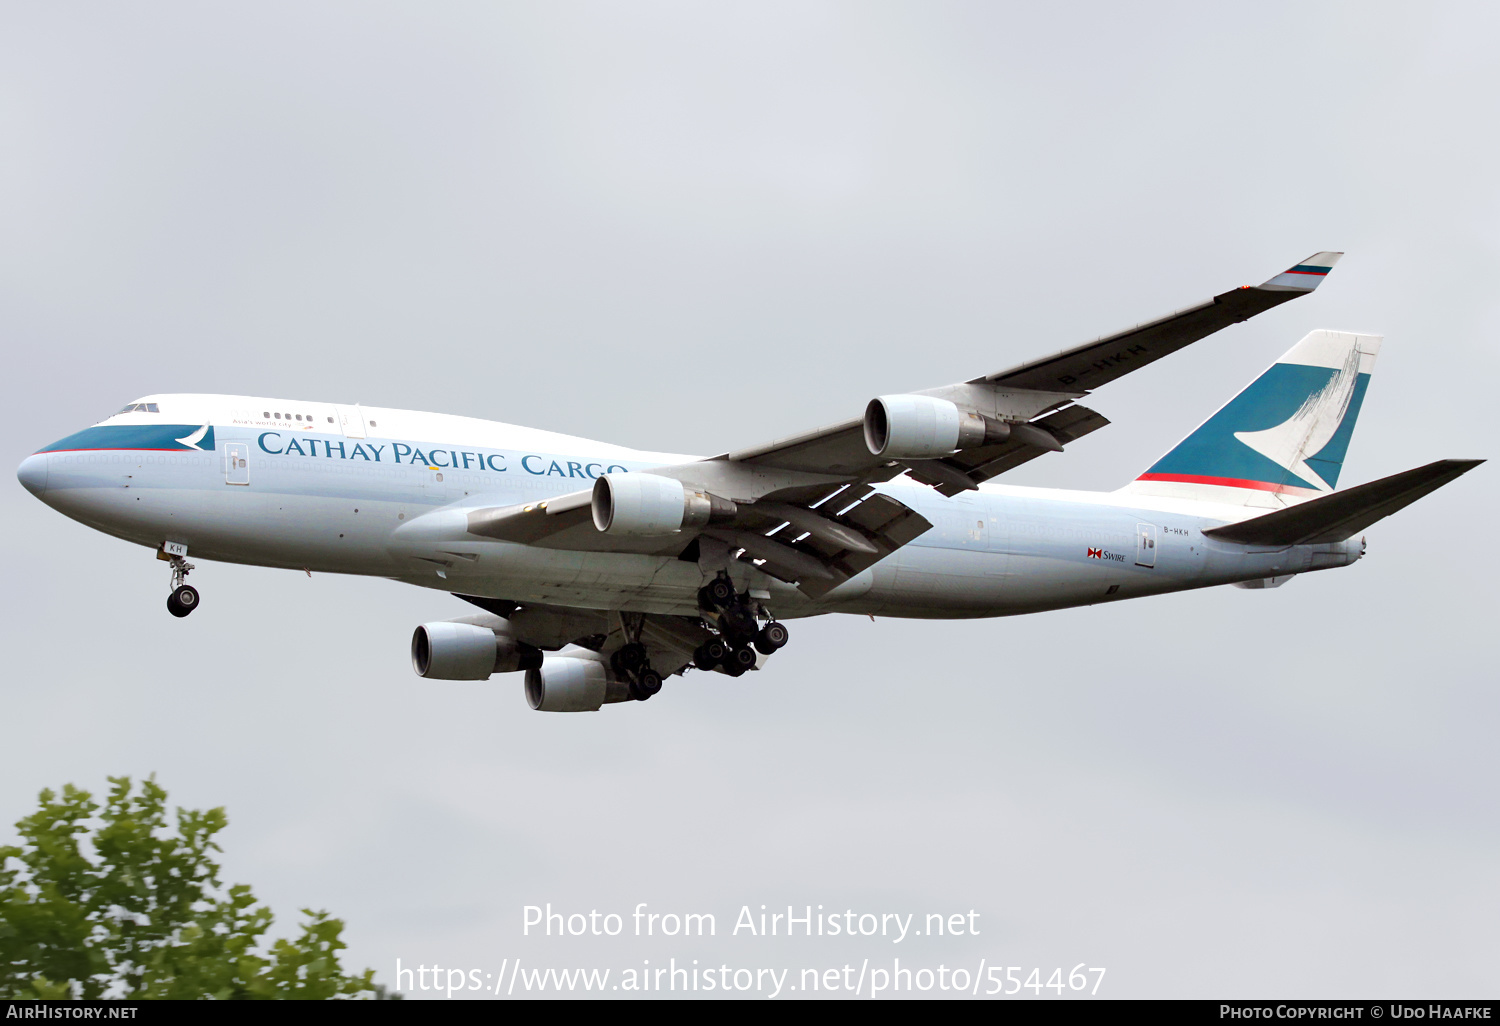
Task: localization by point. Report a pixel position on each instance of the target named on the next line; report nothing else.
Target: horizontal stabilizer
(1341, 515)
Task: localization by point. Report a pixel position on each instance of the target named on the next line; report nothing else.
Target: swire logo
(1096, 553)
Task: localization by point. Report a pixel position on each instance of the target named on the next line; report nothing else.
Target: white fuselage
(385, 493)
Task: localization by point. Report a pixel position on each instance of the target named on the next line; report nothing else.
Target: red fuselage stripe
(1229, 482)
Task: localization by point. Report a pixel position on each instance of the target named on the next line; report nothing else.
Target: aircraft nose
(33, 474)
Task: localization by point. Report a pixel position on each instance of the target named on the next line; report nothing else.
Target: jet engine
(452, 650)
(919, 427)
(575, 680)
(647, 506)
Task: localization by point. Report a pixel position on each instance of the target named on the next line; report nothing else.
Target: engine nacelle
(465, 651)
(567, 684)
(919, 427)
(650, 506)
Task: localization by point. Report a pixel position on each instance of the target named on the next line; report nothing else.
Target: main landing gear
(630, 662)
(184, 597)
(740, 634)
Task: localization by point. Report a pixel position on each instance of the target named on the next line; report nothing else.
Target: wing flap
(965, 470)
(883, 523)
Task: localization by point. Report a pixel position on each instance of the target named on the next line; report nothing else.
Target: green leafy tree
(118, 905)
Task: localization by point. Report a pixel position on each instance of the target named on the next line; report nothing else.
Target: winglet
(1304, 277)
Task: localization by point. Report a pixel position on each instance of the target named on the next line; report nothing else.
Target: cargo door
(435, 484)
(352, 421)
(1145, 545)
(967, 524)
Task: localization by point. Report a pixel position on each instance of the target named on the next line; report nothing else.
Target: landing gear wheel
(183, 601)
(629, 658)
(702, 659)
(742, 658)
(646, 684)
(719, 592)
(771, 637)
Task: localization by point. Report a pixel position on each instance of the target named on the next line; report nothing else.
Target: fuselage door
(237, 463)
(352, 420)
(1145, 545)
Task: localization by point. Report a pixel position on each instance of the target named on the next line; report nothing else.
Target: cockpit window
(140, 408)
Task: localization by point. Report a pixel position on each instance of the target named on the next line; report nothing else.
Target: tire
(702, 659)
(716, 649)
(744, 658)
(629, 658)
(771, 637)
(183, 601)
(647, 683)
(719, 592)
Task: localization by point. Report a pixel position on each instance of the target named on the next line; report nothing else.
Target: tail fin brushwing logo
(1312, 427)
(1285, 434)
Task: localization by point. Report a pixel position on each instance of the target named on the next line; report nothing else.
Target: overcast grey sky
(690, 227)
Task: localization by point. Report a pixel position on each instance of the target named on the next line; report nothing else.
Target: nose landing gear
(184, 597)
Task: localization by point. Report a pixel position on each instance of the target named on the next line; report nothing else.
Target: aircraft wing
(841, 528)
(805, 507)
(1029, 390)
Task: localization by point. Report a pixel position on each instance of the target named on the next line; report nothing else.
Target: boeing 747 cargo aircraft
(597, 570)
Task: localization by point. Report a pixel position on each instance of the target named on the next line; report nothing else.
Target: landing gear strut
(184, 597)
(733, 650)
(631, 660)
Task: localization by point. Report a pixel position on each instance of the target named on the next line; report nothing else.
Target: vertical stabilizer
(1283, 439)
